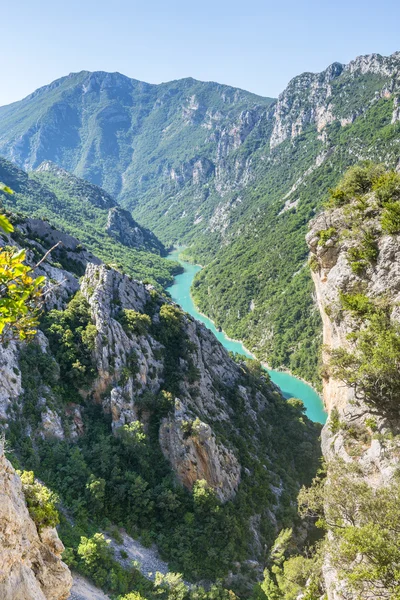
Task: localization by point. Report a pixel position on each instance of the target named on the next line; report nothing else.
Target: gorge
(290, 386)
(139, 415)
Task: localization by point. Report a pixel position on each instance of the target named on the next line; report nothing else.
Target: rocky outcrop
(121, 226)
(376, 453)
(304, 101)
(194, 454)
(30, 563)
(310, 98)
(61, 267)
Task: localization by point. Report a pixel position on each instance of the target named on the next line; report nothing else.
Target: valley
(157, 409)
(290, 386)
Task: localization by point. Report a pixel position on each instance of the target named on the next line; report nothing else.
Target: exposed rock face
(37, 236)
(193, 457)
(194, 454)
(10, 387)
(122, 227)
(309, 98)
(30, 563)
(215, 419)
(377, 458)
(293, 113)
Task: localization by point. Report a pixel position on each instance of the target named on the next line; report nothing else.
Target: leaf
(6, 189)
(5, 224)
(20, 255)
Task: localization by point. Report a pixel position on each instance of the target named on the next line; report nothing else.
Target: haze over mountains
(234, 176)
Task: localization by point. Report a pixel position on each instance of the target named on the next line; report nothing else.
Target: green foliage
(365, 253)
(357, 181)
(357, 303)
(95, 559)
(390, 219)
(325, 235)
(387, 187)
(364, 526)
(124, 478)
(149, 161)
(134, 322)
(335, 425)
(21, 295)
(40, 500)
(72, 338)
(81, 209)
(287, 577)
(372, 369)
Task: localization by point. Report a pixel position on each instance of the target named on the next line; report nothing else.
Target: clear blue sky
(258, 45)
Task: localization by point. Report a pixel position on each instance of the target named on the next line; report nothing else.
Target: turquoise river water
(291, 386)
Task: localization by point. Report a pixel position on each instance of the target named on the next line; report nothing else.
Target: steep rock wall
(376, 454)
(30, 563)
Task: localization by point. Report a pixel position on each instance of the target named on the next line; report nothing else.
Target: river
(291, 386)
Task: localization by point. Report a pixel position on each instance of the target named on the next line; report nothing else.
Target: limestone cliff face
(194, 453)
(333, 277)
(376, 455)
(30, 563)
(311, 98)
(186, 436)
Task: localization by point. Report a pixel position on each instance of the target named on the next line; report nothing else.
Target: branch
(47, 253)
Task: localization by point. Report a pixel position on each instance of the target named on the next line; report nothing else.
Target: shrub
(364, 254)
(387, 187)
(358, 304)
(40, 500)
(358, 180)
(363, 525)
(134, 322)
(372, 369)
(72, 334)
(390, 218)
(326, 234)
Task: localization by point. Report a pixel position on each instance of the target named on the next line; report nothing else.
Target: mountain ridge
(233, 178)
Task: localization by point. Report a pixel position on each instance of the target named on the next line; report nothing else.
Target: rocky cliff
(175, 409)
(355, 266)
(30, 563)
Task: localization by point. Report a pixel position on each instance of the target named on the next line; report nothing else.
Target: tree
(364, 528)
(96, 557)
(40, 500)
(21, 295)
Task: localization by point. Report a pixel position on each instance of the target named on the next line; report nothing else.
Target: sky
(258, 45)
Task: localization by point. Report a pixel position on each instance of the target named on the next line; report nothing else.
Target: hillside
(136, 416)
(81, 208)
(233, 176)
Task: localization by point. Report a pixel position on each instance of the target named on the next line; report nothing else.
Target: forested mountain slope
(136, 416)
(234, 176)
(81, 208)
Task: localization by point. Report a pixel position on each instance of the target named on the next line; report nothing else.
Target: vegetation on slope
(74, 208)
(125, 478)
(258, 287)
(194, 162)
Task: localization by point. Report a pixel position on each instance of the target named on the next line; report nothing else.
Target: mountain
(79, 207)
(140, 142)
(233, 176)
(137, 417)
